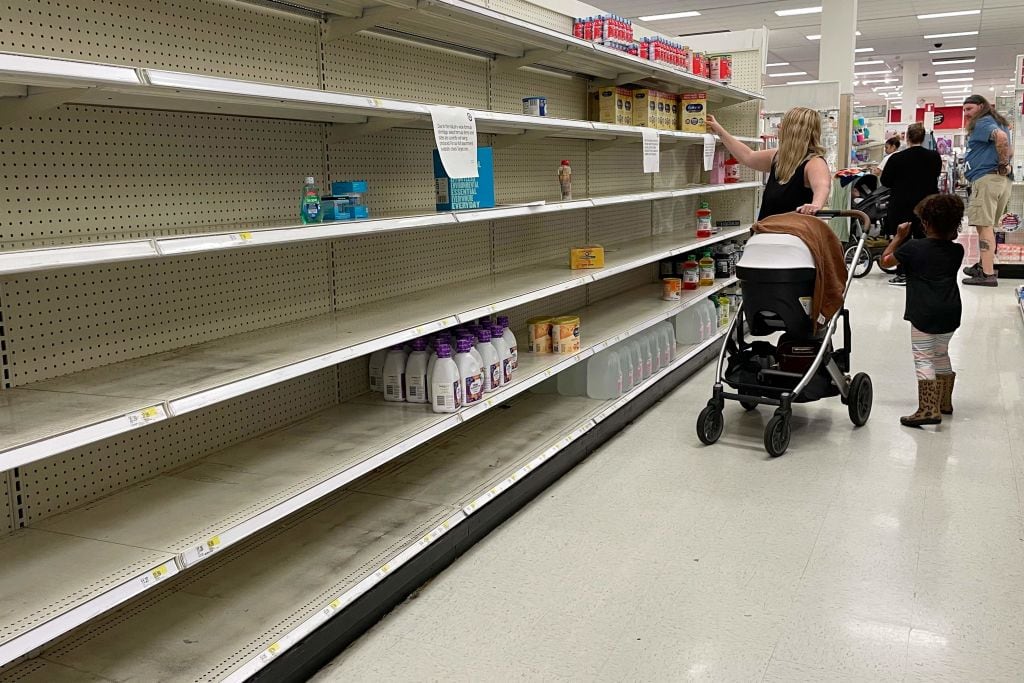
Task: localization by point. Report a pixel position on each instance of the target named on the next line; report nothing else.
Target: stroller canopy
(769, 251)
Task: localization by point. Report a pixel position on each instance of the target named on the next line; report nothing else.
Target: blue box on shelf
(348, 187)
(342, 209)
(454, 194)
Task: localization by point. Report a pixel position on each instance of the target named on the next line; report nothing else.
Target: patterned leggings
(931, 353)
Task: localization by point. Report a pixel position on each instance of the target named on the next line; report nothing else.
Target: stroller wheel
(859, 401)
(776, 435)
(748, 406)
(864, 264)
(710, 424)
(887, 271)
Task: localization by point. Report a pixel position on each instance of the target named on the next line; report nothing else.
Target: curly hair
(942, 213)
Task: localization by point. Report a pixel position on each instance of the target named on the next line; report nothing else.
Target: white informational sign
(652, 151)
(709, 151)
(455, 135)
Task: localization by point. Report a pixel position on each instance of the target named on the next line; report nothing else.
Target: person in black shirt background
(933, 304)
(911, 175)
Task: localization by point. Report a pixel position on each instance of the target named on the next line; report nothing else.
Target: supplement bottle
(691, 273)
(707, 270)
(504, 355)
(491, 364)
(394, 374)
(445, 383)
(309, 207)
(416, 372)
(565, 180)
(732, 170)
(470, 371)
(704, 227)
(510, 339)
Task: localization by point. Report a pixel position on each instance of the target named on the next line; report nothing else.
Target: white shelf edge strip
(301, 631)
(31, 260)
(76, 616)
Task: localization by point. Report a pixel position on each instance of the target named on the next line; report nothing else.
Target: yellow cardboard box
(693, 112)
(582, 258)
(612, 105)
(644, 108)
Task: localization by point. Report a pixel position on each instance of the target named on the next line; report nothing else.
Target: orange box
(582, 258)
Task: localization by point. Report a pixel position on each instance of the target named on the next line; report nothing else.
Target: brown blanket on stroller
(830, 279)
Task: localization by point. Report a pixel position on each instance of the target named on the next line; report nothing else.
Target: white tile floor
(881, 554)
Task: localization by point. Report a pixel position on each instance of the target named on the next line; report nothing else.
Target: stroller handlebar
(865, 221)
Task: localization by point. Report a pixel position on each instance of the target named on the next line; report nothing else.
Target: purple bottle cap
(484, 321)
(484, 336)
(465, 344)
(419, 344)
(503, 320)
(497, 331)
(444, 351)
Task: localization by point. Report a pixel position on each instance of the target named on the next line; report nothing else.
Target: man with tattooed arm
(988, 169)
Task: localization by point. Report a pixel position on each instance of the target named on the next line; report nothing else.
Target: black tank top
(779, 198)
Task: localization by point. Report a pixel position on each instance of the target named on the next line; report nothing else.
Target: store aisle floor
(878, 554)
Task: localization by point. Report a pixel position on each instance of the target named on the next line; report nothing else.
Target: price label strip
(141, 418)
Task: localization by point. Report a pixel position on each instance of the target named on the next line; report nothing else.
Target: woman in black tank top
(798, 176)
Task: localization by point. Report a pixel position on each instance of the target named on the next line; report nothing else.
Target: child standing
(933, 301)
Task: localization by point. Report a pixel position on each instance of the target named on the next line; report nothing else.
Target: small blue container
(349, 187)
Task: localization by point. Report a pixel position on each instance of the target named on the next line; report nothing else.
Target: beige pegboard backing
(353, 378)
(525, 241)
(567, 95)
(375, 267)
(84, 174)
(229, 39)
(63, 321)
(746, 73)
(83, 475)
(383, 67)
(678, 215)
(618, 170)
(529, 171)
(680, 166)
(533, 13)
(741, 205)
(620, 222)
(617, 284)
(397, 165)
(7, 521)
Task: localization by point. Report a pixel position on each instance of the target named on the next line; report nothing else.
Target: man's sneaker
(982, 280)
(974, 271)
(899, 281)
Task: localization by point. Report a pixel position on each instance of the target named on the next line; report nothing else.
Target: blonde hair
(799, 140)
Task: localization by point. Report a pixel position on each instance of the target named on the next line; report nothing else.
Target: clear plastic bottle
(639, 361)
(723, 311)
(416, 377)
(470, 371)
(491, 364)
(445, 383)
(504, 355)
(668, 333)
(565, 180)
(604, 375)
(510, 339)
(394, 374)
(689, 326)
(309, 207)
(377, 359)
(573, 380)
(626, 366)
(654, 342)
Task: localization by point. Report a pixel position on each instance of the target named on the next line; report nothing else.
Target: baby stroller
(777, 274)
(875, 204)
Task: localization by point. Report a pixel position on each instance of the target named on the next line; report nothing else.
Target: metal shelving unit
(194, 477)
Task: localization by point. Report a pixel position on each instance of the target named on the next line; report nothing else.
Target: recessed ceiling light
(952, 72)
(790, 73)
(950, 35)
(864, 49)
(817, 36)
(867, 62)
(956, 80)
(799, 82)
(671, 15)
(799, 10)
(777, 64)
(872, 73)
(941, 15)
(952, 49)
(954, 60)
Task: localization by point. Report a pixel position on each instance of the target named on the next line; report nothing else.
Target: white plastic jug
(377, 359)
(604, 375)
(639, 360)
(416, 378)
(626, 366)
(573, 380)
(689, 326)
(394, 374)
(667, 334)
(445, 383)
(491, 364)
(470, 371)
(654, 342)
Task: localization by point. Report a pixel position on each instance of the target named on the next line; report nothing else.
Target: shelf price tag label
(155, 576)
(455, 136)
(652, 150)
(241, 237)
(145, 416)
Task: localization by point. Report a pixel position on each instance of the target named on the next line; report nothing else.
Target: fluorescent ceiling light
(956, 80)
(868, 62)
(941, 15)
(777, 64)
(799, 10)
(790, 73)
(864, 49)
(872, 73)
(671, 15)
(817, 36)
(950, 35)
(954, 60)
(952, 72)
(799, 82)
(887, 87)
(951, 49)
(879, 80)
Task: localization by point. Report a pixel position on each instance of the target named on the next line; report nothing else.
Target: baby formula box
(535, 106)
(539, 332)
(565, 334)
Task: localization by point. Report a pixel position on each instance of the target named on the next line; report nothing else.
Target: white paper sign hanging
(455, 135)
(652, 151)
(709, 151)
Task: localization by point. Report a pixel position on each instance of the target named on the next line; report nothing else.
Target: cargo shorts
(990, 197)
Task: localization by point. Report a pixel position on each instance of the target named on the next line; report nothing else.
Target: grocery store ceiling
(890, 28)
